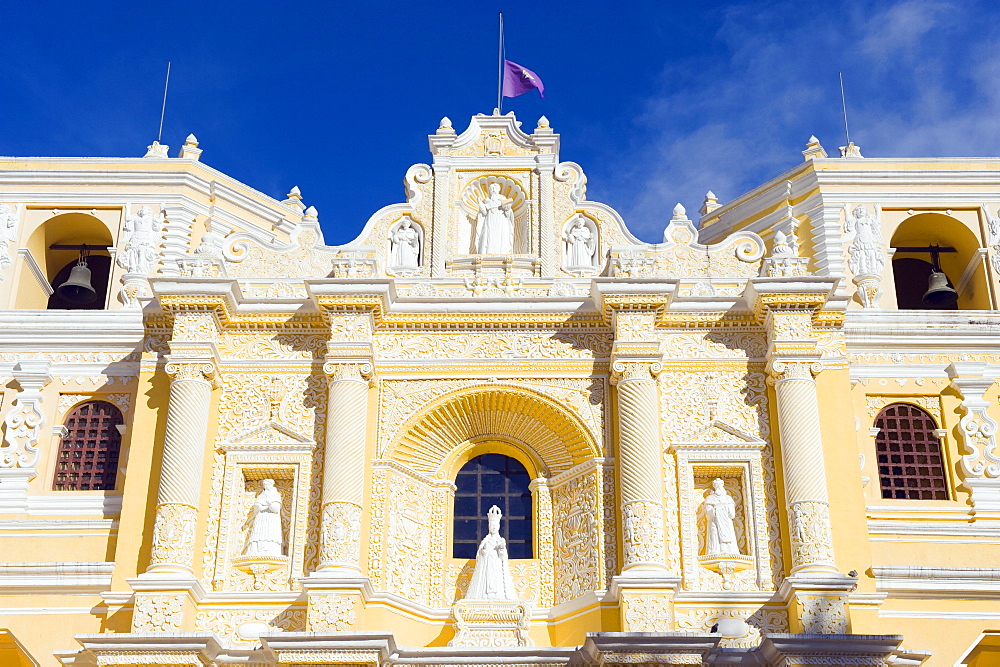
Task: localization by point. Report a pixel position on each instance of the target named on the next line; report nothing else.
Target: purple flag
(518, 80)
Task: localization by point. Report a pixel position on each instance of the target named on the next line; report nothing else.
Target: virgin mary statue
(491, 579)
(495, 224)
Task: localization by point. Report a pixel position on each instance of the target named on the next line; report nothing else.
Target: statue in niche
(265, 534)
(405, 247)
(491, 578)
(7, 222)
(580, 245)
(866, 255)
(719, 512)
(142, 244)
(495, 224)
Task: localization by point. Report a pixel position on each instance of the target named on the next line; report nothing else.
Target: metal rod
(73, 246)
(843, 102)
(930, 248)
(163, 109)
(500, 69)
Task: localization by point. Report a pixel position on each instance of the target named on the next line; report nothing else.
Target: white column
(802, 463)
(344, 466)
(181, 466)
(639, 468)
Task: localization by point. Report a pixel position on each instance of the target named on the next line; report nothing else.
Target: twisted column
(802, 461)
(639, 469)
(344, 465)
(181, 465)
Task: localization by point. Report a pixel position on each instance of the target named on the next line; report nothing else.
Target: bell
(939, 295)
(77, 288)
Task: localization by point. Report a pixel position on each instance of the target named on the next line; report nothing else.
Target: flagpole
(500, 69)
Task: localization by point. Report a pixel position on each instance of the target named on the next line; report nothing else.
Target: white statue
(495, 224)
(265, 535)
(866, 255)
(719, 511)
(143, 242)
(580, 245)
(405, 246)
(491, 579)
(7, 222)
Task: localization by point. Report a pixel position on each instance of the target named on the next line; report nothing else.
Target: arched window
(487, 480)
(910, 463)
(88, 453)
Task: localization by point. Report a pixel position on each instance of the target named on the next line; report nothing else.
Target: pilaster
(980, 462)
(19, 454)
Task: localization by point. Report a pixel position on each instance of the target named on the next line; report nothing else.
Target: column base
(165, 601)
(14, 489)
(818, 604)
(335, 602)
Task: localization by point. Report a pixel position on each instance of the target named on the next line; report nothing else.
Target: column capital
(349, 369)
(181, 368)
(793, 293)
(793, 368)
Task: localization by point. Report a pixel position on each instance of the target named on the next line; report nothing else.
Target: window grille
(88, 453)
(487, 480)
(910, 463)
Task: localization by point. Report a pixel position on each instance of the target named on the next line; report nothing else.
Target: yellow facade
(766, 352)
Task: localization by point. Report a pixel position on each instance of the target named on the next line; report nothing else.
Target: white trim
(36, 271)
(60, 524)
(914, 581)
(71, 504)
(55, 578)
(21, 611)
(947, 615)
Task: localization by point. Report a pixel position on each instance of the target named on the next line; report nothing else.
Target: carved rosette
(331, 613)
(173, 535)
(811, 536)
(643, 533)
(648, 613)
(157, 613)
(194, 326)
(341, 530)
(824, 614)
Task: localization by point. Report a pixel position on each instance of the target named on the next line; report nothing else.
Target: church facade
(769, 439)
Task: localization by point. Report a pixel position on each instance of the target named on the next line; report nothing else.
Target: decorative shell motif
(479, 189)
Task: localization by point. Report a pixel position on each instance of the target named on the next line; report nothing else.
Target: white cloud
(922, 79)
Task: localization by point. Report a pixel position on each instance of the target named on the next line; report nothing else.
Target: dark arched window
(910, 464)
(487, 480)
(88, 453)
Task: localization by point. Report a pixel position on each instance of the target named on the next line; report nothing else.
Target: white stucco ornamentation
(25, 419)
(173, 535)
(8, 233)
(495, 224)
(341, 526)
(866, 255)
(980, 462)
(142, 242)
(642, 531)
(331, 613)
(157, 613)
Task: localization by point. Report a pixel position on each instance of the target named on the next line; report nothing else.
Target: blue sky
(658, 101)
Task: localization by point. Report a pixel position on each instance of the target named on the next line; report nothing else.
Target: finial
(813, 149)
(190, 148)
(710, 204)
(543, 122)
(680, 213)
(444, 127)
(311, 212)
(294, 198)
(781, 247)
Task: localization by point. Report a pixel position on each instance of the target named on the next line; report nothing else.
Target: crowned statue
(491, 579)
(265, 533)
(495, 224)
